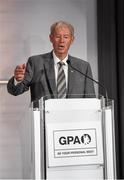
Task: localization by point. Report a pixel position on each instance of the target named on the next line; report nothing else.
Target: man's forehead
(62, 28)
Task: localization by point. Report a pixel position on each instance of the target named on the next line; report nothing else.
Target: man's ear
(73, 38)
(51, 38)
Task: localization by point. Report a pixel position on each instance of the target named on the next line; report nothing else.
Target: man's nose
(61, 39)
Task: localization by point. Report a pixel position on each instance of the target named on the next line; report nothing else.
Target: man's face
(61, 40)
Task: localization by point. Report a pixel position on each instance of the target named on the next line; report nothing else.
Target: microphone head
(68, 61)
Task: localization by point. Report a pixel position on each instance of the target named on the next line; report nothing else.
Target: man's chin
(61, 52)
(61, 55)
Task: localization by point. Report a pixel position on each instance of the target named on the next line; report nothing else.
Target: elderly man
(55, 74)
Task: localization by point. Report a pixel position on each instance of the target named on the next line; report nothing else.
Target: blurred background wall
(24, 31)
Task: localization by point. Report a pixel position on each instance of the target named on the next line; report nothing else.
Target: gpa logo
(72, 140)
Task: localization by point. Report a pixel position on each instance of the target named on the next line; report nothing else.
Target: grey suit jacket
(40, 78)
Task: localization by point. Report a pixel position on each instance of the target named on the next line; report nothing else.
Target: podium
(73, 139)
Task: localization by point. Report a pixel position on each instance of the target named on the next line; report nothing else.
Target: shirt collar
(56, 59)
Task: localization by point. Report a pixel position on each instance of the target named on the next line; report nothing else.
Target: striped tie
(61, 81)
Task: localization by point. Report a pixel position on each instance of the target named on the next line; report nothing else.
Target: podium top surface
(67, 104)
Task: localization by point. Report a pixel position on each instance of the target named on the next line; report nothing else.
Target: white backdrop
(25, 29)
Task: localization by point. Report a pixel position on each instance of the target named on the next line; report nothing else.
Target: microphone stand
(97, 82)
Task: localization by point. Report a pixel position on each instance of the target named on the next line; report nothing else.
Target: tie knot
(60, 63)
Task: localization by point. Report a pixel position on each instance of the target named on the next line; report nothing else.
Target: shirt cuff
(16, 82)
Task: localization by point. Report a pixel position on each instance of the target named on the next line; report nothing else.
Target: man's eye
(57, 36)
(66, 37)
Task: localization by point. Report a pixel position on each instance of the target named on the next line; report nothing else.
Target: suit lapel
(50, 74)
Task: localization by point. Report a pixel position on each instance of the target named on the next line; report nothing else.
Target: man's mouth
(61, 47)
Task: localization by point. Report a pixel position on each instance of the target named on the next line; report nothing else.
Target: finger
(19, 70)
(19, 77)
(20, 66)
(24, 66)
(19, 73)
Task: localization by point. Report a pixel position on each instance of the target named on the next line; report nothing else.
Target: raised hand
(19, 72)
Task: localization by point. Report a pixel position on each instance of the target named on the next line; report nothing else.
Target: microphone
(97, 82)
